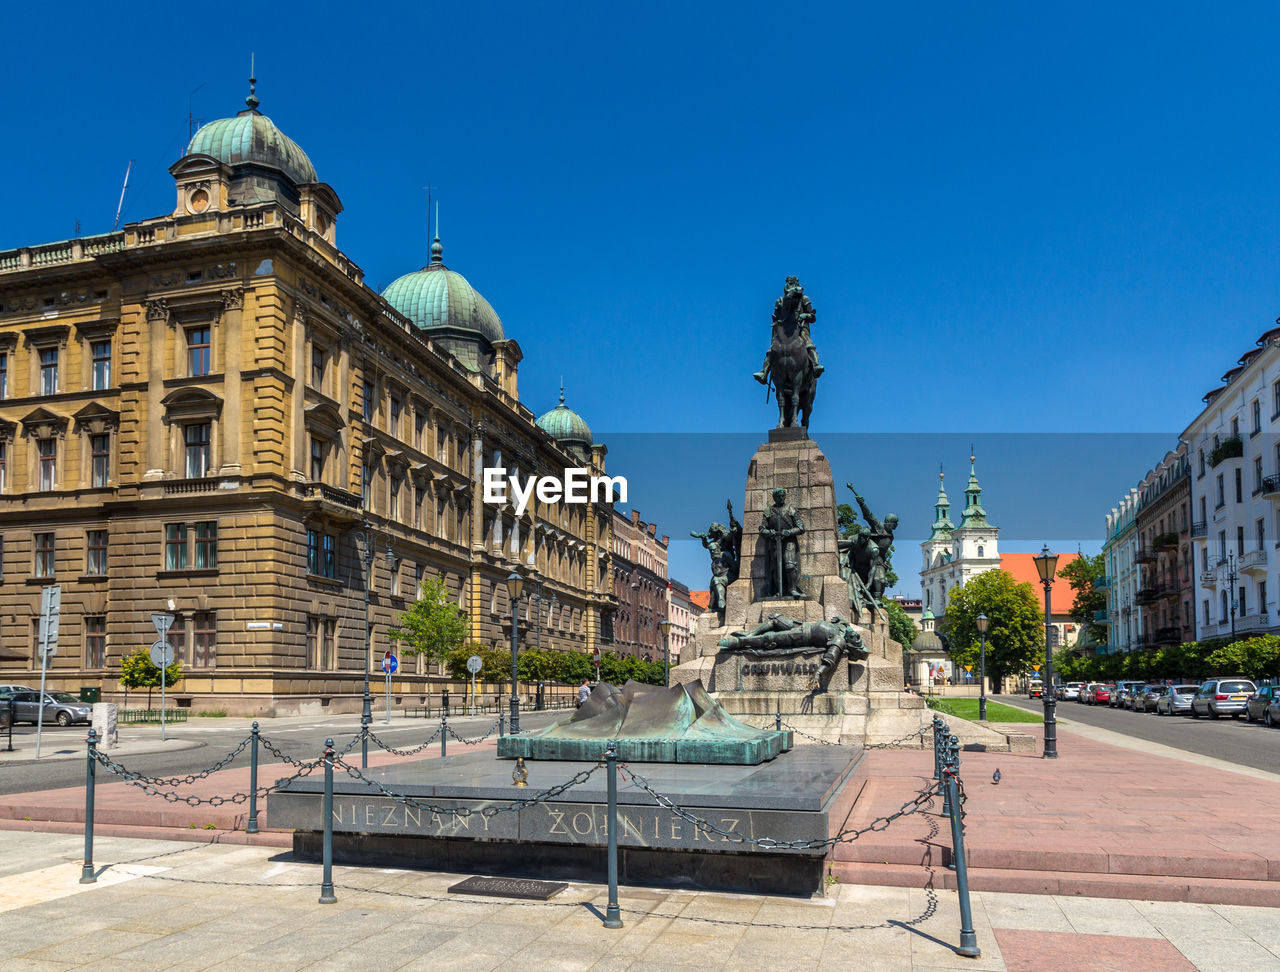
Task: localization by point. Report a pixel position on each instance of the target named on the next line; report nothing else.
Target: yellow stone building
(210, 413)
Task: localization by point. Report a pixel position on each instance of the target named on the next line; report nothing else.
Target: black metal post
(502, 724)
(942, 766)
(326, 886)
(951, 758)
(968, 939)
(515, 698)
(86, 871)
(9, 748)
(777, 718)
(982, 679)
(444, 731)
(666, 657)
(366, 713)
(938, 730)
(1050, 719)
(252, 826)
(1232, 577)
(612, 914)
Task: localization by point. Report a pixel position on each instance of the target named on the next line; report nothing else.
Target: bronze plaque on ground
(502, 887)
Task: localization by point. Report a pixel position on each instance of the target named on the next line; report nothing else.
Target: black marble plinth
(792, 433)
(788, 798)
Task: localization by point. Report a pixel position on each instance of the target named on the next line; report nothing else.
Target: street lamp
(366, 713)
(1046, 566)
(515, 584)
(665, 625)
(983, 623)
(1231, 578)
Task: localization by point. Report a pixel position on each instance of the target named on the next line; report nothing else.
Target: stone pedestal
(863, 702)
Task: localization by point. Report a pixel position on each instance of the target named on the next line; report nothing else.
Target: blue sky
(1012, 219)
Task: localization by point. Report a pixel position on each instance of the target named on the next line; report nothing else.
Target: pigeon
(995, 777)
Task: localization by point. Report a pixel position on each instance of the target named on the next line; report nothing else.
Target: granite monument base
(792, 797)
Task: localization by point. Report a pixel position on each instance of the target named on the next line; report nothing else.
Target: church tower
(954, 554)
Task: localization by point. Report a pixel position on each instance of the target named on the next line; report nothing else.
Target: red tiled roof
(701, 598)
(1023, 568)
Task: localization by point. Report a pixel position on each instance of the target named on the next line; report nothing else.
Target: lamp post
(1046, 566)
(366, 712)
(1232, 576)
(983, 622)
(515, 584)
(665, 625)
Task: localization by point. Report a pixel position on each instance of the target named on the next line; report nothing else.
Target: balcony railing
(1100, 617)
(1271, 487)
(1166, 541)
(1253, 560)
(332, 494)
(1148, 594)
(1169, 636)
(1144, 555)
(1253, 622)
(205, 484)
(1102, 584)
(1199, 530)
(1232, 448)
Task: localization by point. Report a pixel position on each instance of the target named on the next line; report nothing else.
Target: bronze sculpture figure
(780, 527)
(791, 364)
(778, 635)
(864, 558)
(725, 546)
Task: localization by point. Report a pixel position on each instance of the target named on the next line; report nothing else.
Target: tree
(1082, 574)
(1254, 658)
(565, 667)
(138, 671)
(847, 522)
(901, 628)
(434, 627)
(1015, 631)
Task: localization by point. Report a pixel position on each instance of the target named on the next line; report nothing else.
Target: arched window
(979, 551)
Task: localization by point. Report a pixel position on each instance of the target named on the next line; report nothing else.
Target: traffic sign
(163, 623)
(968, 668)
(50, 608)
(162, 654)
(390, 663)
(1035, 668)
(474, 664)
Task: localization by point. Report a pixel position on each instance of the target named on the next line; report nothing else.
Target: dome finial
(562, 389)
(437, 250)
(252, 100)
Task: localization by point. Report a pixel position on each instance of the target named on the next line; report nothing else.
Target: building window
(313, 643)
(1239, 541)
(394, 511)
(393, 417)
(1262, 597)
(1243, 607)
(442, 446)
(204, 640)
(101, 352)
(197, 438)
(1261, 527)
(48, 464)
(979, 551)
(317, 460)
(175, 546)
(393, 566)
(48, 371)
(44, 555)
(95, 641)
(1239, 487)
(366, 487)
(1222, 496)
(321, 559)
(96, 553)
(1204, 606)
(321, 644)
(207, 545)
(419, 426)
(367, 404)
(4, 464)
(1222, 546)
(1257, 474)
(317, 367)
(1257, 416)
(197, 351)
(1275, 398)
(419, 495)
(1235, 427)
(4, 374)
(100, 459)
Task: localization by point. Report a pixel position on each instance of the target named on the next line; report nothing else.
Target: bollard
(252, 826)
(612, 915)
(942, 766)
(326, 887)
(951, 758)
(777, 718)
(502, 724)
(444, 731)
(938, 730)
(364, 740)
(86, 871)
(968, 939)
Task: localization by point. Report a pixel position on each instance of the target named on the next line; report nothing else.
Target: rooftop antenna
(120, 206)
(191, 118)
(252, 100)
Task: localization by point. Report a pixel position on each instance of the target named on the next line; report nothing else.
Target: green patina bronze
(648, 724)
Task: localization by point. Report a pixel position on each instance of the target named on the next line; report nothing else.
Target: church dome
(253, 138)
(436, 297)
(927, 641)
(566, 426)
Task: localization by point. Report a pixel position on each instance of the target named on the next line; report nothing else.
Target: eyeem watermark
(576, 486)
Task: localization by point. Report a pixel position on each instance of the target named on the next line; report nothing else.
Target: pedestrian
(584, 692)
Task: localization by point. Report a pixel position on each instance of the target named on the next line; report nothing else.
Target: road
(1232, 740)
(298, 738)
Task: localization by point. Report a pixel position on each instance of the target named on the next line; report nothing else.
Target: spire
(562, 389)
(252, 100)
(974, 514)
(942, 525)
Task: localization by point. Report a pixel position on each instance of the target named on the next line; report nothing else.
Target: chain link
(193, 777)
(479, 739)
(914, 734)
(152, 787)
(284, 757)
(383, 745)
(488, 812)
(914, 805)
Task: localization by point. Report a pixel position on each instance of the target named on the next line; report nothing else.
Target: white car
(1071, 691)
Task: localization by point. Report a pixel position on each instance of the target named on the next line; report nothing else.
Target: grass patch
(996, 711)
(212, 713)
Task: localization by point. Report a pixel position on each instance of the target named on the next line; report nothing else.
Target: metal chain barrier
(479, 739)
(914, 805)
(917, 734)
(385, 747)
(202, 774)
(490, 812)
(152, 786)
(284, 757)
(914, 734)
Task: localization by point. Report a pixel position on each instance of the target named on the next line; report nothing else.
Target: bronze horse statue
(791, 366)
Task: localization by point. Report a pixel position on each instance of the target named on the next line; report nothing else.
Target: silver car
(1176, 699)
(60, 707)
(1222, 696)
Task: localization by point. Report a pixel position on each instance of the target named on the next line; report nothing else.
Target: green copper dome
(437, 297)
(565, 425)
(251, 137)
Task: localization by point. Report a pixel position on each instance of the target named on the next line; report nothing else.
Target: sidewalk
(216, 907)
(1119, 821)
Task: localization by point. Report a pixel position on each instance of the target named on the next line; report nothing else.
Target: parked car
(1118, 696)
(10, 689)
(1086, 693)
(1071, 691)
(1133, 696)
(1146, 701)
(1259, 701)
(1272, 716)
(1102, 693)
(60, 707)
(1222, 696)
(1176, 699)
